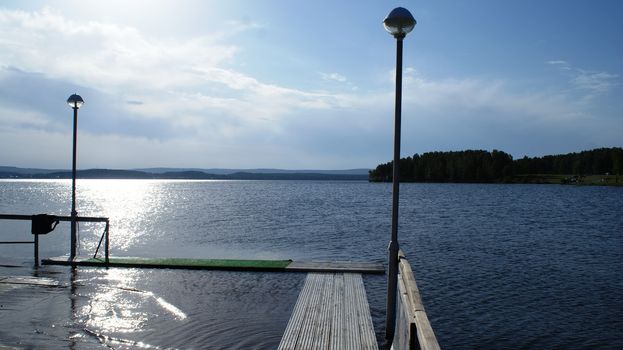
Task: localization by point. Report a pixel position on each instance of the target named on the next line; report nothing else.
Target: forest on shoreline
(597, 166)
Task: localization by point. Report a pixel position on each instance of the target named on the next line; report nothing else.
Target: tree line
(479, 166)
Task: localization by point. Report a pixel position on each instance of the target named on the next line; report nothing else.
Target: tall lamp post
(75, 102)
(398, 23)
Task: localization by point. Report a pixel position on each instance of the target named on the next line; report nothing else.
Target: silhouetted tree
(498, 166)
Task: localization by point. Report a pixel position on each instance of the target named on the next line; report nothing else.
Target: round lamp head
(75, 101)
(399, 22)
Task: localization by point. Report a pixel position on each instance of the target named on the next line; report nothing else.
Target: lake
(498, 266)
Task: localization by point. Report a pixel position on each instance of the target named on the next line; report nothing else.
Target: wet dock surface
(56, 307)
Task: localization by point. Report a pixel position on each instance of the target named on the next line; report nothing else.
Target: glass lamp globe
(75, 101)
(399, 22)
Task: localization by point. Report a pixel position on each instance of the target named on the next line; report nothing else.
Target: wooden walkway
(331, 312)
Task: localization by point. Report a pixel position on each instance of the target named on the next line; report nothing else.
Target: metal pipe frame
(72, 219)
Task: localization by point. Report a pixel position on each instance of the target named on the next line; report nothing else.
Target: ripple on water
(498, 266)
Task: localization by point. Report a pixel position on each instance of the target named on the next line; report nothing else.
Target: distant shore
(590, 180)
(19, 173)
(600, 166)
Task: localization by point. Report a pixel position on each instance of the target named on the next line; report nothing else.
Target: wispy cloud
(485, 99)
(562, 64)
(594, 82)
(238, 26)
(333, 77)
(597, 82)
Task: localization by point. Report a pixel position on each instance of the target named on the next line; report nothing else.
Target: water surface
(499, 266)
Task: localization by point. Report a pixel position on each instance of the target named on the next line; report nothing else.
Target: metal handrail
(60, 218)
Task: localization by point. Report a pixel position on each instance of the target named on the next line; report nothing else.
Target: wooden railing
(413, 329)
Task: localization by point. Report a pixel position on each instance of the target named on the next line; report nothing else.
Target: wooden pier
(331, 312)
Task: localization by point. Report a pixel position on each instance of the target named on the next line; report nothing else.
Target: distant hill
(222, 171)
(16, 170)
(189, 174)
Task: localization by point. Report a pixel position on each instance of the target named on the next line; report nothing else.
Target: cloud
(454, 114)
(112, 59)
(188, 79)
(596, 82)
(593, 82)
(183, 102)
(333, 77)
(23, 118)
(561, 64)
(238, 26)
(99, 54)
(494, 98)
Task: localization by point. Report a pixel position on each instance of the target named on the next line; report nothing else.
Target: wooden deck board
(28, 280)
(296, 320)
(336, 266)
(332, 312)
(364, 319)
(350, 326)
(339, 331)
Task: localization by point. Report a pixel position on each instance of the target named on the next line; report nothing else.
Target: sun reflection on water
(128, 203)
(109, 307)
(112, 307)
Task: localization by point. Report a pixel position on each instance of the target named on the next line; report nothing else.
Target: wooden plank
(364, 319)
(332, 312)
(311, 306)
(302, 310)
(306, 338)
(295, 325)
(29, 280)
(405, 336)
(338, 327)
(336, 266)
(351, 334)
(425, 336)
(323, 331)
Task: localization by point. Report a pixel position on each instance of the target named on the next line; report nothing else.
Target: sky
(303, 84)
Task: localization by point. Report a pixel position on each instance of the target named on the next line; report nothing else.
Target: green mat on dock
(220, 264)
(199, 263)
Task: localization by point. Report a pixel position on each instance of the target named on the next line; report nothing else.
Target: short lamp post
(398, 23)
(75, 102)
